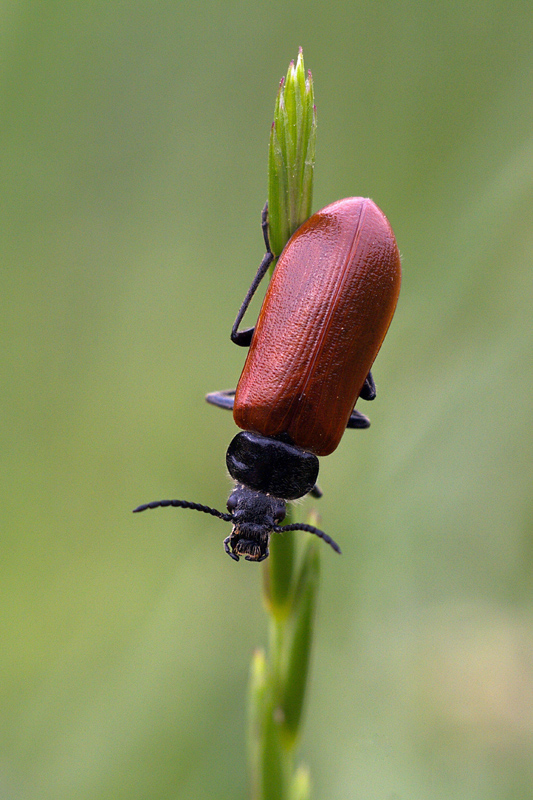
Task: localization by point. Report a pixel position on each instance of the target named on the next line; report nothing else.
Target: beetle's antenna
(184, 504)
(309, 529)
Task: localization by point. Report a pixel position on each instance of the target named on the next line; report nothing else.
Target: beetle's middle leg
(223, 399)
(368, 392)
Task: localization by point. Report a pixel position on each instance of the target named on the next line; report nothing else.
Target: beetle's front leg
(230, 553)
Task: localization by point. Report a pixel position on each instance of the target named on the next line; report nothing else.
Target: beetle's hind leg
(244, 337)
(223, 399)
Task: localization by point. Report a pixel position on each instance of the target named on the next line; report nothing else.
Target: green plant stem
(278, 681)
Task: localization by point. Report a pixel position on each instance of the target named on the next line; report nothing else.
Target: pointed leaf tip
(292, 155)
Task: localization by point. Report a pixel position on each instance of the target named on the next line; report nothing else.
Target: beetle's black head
(254, 515)
(267, 473)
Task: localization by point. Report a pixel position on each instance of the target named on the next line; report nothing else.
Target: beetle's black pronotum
(324, 317)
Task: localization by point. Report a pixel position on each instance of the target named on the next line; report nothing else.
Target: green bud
(291, 155)
(301, 785)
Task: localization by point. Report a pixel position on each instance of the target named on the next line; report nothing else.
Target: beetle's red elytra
(325, 314)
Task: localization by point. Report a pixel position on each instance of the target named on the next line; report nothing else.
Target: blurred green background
(133, 160)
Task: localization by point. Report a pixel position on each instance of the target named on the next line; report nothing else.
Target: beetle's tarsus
(358, 420)
(368, 392)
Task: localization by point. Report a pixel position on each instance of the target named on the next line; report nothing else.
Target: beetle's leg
(226, 399)
(316, 491)
(223, 399)
(244, 337)
(358, 420)
(368, 392)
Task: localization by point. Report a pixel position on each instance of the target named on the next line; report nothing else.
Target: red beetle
(324, 317)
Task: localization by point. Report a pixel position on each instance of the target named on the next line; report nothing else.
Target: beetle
(325, 314)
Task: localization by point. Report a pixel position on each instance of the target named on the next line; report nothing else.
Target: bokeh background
(133, 162)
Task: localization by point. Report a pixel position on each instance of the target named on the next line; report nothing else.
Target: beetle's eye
(231, 505)
(279, 513)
